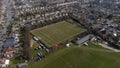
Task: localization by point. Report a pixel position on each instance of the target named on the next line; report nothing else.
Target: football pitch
(56, 33)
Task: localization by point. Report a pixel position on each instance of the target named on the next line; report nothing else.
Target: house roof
(2, 60)
(7, 62)
(21, 65)
(84, 39)
(8, 49)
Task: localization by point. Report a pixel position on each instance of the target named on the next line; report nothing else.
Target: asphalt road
(8, 18)
(8, 15)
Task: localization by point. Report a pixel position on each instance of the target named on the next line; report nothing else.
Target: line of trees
(47, 22)
(25, 40)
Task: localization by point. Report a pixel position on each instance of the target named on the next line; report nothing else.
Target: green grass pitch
(92, 56)
(56, 33)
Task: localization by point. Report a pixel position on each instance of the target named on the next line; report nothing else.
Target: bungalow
(21, 65)
(83, 39)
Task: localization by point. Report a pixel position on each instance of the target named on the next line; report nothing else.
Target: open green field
(92, 56)
(56, 33)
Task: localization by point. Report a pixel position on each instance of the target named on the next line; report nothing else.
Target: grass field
(92, 56)
(54, 34)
